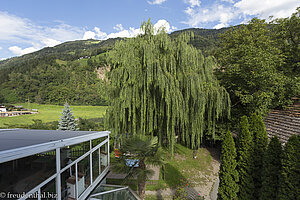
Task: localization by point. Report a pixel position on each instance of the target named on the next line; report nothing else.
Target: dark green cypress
(159, 85)
(260, 142)
(228, 174)
(245, 162)
(290, 175)
(271, 170)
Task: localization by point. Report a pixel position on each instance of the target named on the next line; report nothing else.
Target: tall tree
(228, 187)
(287, 37)
(67, 121)
(286, 33)
(260, 142)
(249, 60)
(244, 161)
(271, 170)
(290, 175)
(162, 87)
(138, 153)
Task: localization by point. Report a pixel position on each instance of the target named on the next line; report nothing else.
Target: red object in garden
(117, 153)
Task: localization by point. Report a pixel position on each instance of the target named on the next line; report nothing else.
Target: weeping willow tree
(163, 87)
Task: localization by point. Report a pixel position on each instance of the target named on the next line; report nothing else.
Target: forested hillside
(67, 72)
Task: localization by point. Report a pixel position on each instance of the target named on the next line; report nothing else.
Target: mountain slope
(68, 72)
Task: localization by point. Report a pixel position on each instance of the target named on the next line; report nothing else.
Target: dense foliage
(245, 161)
(249, 61)
(290, 175)
(260, 142)
(287, 37)
(204, 39)
(259, 64)
(271, 170)
(163, 87)
(229, 177)
(56, 83)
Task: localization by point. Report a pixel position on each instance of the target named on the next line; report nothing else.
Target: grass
(151, 197)
(181, 167)
(61, 62)
(184, 167)
(48, 113)
(92, 42)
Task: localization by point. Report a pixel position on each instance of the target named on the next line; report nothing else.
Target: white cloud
(266, 8)
(1, 48)
(12, 26)
(50, 42)
(23, 31)
(131, 32)
(127, 33)
(100, 35)
(193, 3)
(89, 35)
(228, 1)
(163, 24)
(26, 37)
(19, 51)
(119, 27)
(215, 13)
(156, 2)
(221, 14)
(221, 25)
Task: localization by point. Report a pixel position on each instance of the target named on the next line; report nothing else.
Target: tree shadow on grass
(215, 152)
(172, 177)
(176, 180)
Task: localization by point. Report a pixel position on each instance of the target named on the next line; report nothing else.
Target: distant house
(284, 123)
(2, 109)
(19, 107)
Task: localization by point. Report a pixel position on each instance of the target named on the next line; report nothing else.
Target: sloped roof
(284, 123)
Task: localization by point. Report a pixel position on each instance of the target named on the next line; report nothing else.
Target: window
(24, 174)
(70, 153)
(84, 178)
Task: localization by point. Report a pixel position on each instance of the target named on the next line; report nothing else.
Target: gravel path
(214, 193)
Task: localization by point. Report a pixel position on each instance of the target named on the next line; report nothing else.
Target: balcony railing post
(58, 182)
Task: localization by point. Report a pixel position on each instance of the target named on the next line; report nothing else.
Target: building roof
(19, 143)
(18, 138)
(284, 123)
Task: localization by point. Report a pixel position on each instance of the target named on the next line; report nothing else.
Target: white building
(2, 109)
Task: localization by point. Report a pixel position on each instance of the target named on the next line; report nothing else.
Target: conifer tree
(260, 142)
(271, 170)
(228, 174)
(244, 161)
(162, 87)
(290, 175)
(67, 120)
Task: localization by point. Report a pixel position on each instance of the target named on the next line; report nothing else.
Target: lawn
(48, 113)
(182, 167)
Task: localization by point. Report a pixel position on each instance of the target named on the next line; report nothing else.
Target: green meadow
(49, 113)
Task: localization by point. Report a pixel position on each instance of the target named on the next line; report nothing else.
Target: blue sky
(27, 26)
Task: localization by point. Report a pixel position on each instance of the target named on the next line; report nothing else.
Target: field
(48, 113)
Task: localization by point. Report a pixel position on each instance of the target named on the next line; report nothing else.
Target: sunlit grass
(181, 168)
(48, 113)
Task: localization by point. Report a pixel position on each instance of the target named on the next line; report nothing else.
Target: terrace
(53, 164)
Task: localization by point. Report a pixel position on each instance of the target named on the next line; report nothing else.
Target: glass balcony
(113, 192)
